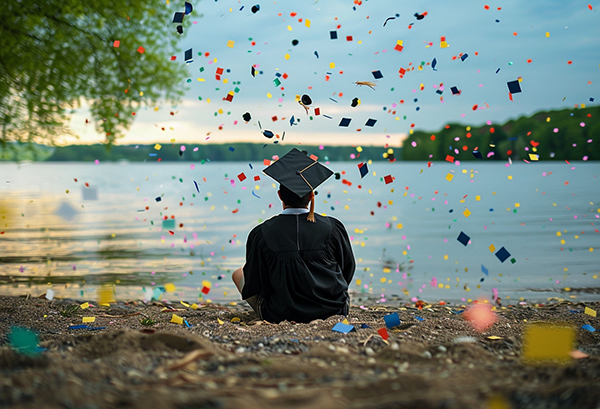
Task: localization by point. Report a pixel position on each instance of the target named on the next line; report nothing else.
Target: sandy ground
(227, 358)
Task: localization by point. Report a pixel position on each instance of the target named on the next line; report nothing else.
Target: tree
(56, 54)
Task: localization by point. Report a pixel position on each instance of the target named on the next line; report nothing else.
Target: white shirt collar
(294, 210)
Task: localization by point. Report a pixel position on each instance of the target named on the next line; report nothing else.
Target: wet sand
(227, 358)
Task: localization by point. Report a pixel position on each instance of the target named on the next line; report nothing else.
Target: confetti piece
(590, 312)
(176, 319)
(84, 305)
(547, 342)
(463, 238)
(49, 294)
(88, 319)
(343, 328)
(502, 254)
(24, 341)
(480, 316)
(391, 320)
(383, 333)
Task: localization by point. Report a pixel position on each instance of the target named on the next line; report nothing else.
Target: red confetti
(141, 50)
(205, 290)
(388, 179)
(383, 333)
(241, 177)
(450, 158)
(116, 43)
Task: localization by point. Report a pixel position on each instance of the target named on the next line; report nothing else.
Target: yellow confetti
(176, 319)
(543, 342)
(220, 322)
(287, 56)
(169, 287)
(84, 305)
(184, 304)
(492, 248)
(230, 43)
(157, 146)
(331, 65)
(467, 213)
(589, 311)
(307, 23)
(235, 319)
(106, 295)
(88, 319)
(194, 306)
(449, 177)
(346, 322)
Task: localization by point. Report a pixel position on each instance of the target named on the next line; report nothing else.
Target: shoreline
(228, 358)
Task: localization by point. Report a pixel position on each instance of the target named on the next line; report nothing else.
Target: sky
(551, 47)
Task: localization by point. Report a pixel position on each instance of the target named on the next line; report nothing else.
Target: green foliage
(147, 322)
(559, 134)
(56, 54)
(70, 311)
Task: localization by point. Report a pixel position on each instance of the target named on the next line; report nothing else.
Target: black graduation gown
(301, 269)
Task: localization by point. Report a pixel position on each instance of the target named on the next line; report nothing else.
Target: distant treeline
(209, 152)
(570, 134)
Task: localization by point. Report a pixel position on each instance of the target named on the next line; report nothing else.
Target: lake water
(58, 233)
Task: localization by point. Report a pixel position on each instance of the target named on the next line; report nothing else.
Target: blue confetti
(255, 195)
(485, 270)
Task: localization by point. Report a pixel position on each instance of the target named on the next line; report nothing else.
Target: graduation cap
(306, 99)
(371, 122)
(180, 29)
(294, 42)
(514, 87)
(477, 155)
(377, 74)
(253, 71)
(188, 8)
(255, 8)
(300, 174)
(454, 90)
(268, 134)
(178, 17)
(333, 35)
(355, 102)
(247, 117)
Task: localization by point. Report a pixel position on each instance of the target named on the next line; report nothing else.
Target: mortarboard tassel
(311, 213)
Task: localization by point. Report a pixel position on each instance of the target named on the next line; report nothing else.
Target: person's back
(304, 268)
(298, 264)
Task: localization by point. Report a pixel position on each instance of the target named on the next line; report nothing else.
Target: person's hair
(293, 200)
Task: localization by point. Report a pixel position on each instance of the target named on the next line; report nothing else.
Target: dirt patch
(227, 358)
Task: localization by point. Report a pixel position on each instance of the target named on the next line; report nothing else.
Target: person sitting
(298, 264)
